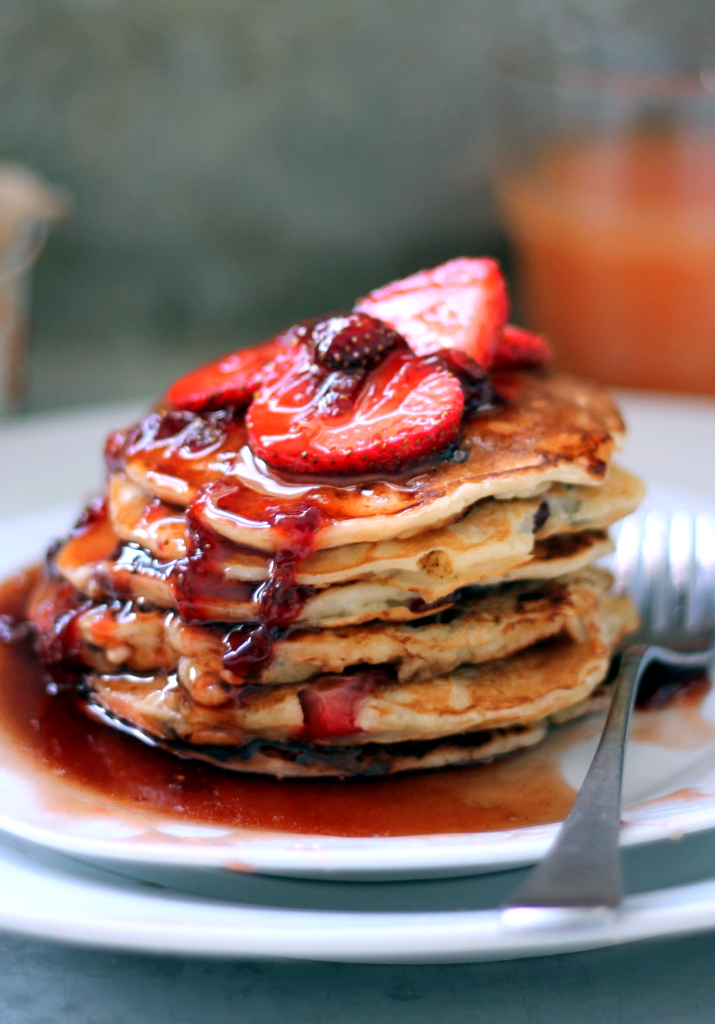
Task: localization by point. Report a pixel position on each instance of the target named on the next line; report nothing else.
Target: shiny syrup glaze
(197, 579)
(181, 438)
(58, 737)
(195, 582)
(188, 457)
(186, 445)
(249, 647)
(330, 705)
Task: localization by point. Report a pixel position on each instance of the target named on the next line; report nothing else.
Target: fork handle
(583, 867)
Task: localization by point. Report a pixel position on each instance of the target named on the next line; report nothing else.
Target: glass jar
(606, 188)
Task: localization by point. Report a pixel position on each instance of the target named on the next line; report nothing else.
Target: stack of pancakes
(444, 618)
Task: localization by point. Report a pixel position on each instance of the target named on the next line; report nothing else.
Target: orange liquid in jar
(615, 247)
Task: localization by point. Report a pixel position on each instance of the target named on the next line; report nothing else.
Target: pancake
(552, 429)
(519, 690)
(480, 626)
(490, 538)
(94, 564)
(293, 760)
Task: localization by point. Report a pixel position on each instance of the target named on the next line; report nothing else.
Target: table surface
(44, 983)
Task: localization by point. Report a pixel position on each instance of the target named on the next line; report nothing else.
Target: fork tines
(666, 562)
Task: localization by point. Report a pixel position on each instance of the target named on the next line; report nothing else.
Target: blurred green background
(238, 164)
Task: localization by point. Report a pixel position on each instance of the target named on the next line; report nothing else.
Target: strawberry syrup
(44, 727)
(249, 647)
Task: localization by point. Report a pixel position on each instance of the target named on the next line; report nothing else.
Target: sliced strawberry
(331, 703)
(477, 385)
(230, 380)
(520, 349)
(405, 409)
(354, 342)
(461, 304)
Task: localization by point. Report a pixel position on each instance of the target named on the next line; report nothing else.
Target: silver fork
(667, 564)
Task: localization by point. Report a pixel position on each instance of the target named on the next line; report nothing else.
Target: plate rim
(292, 855)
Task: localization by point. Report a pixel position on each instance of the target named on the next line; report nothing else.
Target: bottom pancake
(295, 760)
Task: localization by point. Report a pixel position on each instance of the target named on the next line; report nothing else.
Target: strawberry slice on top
(461, 304)
(380, 410)
(380, 388)
(231, 379)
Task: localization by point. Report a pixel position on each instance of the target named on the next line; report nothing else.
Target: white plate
(669, 790)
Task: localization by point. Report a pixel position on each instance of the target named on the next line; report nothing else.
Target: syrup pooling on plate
(53, 733)
(51, 730)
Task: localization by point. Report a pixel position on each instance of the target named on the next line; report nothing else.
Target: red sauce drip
(249, 647)
(198, 579)
(198, 591)
(203, 455)
(246, 505)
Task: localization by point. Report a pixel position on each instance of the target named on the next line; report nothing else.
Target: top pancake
(552, 429)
